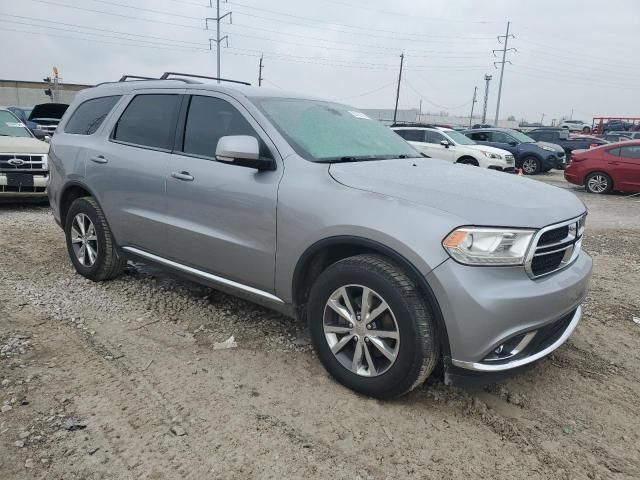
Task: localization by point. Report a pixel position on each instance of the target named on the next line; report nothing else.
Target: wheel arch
(72, 191)
(325, 252)
(468, 157)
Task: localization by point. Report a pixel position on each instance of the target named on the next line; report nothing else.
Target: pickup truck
(561, 137)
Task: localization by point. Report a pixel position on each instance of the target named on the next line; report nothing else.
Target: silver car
(396, 262)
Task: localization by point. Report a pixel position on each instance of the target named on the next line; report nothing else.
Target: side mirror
(39, 134)
(244, 151)
(445, 143)
(513, 144)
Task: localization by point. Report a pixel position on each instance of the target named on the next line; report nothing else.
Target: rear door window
(433, 137)
(412, 135)
(149, 121)
(88, 117)
(208, 120)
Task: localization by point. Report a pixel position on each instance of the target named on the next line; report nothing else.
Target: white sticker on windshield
(359, 115)
(14, 124)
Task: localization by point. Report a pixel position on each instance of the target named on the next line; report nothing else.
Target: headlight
(548, 149)
(488, 246)
(492, 155)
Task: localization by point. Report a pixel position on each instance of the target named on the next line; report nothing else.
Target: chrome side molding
(204, 275)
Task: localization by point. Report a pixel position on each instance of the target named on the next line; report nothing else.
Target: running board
(204, 275)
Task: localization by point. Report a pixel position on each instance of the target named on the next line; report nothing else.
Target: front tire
(598, 182)
(372, 328)
(531, 166)
(90, 243)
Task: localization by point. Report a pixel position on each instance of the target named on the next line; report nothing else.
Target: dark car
(615, 125)
(531, 156)
(612, 167)
(568, 142)
(48, 115)
(630, 135)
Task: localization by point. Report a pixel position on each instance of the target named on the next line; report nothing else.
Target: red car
(615, 166)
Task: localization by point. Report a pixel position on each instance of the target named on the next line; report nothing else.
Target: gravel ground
(125, 380)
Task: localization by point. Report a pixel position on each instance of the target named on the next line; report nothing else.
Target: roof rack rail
(124, 78)
(413, 124)
(166, 75)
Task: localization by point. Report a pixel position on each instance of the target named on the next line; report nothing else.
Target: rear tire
(531, 166)
(598, 182)
(383, 364)
(90, 243)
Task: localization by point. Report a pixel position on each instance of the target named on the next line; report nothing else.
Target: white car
(24, 170)
(449, 144)
(576, 126)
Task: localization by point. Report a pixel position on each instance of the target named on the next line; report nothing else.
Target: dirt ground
(121, 380)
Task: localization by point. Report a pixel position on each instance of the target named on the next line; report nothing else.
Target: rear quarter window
(89, 115)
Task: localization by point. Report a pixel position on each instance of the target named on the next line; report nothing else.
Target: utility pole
(473, 104)
(218, 39)
(542, 121)
(504, 60)
(260, 71)
(420, 110)
(487, 80)
(395, 110)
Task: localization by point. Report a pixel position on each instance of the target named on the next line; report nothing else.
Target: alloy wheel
(84, 240)
(598, 184)
(530, 165)
(361, 330)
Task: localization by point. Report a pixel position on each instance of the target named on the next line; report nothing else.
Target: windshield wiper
(363, 158)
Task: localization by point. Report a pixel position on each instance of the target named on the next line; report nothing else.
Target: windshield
(521, 137)
(459, 138)
(10, 126)
(324, 131)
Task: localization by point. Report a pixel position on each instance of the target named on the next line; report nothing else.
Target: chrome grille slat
(30, 163)
(543, 259)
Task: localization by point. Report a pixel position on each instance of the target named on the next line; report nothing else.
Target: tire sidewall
(81, 205)
(399, 377)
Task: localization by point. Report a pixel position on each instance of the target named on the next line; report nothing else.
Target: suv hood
(22, 145)
(555, 146)
(487, 148)
(477, 196)
(48, 110)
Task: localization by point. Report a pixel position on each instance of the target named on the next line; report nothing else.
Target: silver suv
(310, 207)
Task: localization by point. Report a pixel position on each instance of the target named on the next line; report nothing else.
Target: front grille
(21, 189)
(560, 154)
(555, 247)
(15, 162)
(509, 159)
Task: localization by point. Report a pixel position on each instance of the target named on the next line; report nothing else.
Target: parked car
(395, 261)
(448, 144)
(24, 170)
(611, 167)
(575, 126)
(617, 137)
(48, 115)
(531, 156)
(616, 125)
(629, 135)
(560, 136)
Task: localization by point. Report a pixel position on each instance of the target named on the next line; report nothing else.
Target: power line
(151, 10)
(98, 29)
(387, 85)
(433, 103)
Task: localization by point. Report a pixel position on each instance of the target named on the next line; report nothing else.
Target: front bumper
(485, 308)
(38, 189)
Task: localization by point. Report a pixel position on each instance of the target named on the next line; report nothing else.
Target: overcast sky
(580, 55)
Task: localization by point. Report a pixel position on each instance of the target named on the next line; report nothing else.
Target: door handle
(184, 176)
(99, 159)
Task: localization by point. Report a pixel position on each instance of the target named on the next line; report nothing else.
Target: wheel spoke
(383, 348)
(384, 334)
(357, 356)
(340, 310)
(377, 311)
(92, 254)
(341, 344)
(81, 254)
(347, 301)
(80, 222)
(75, 235)
(336, 329)
(365, 303)
(370, 364)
